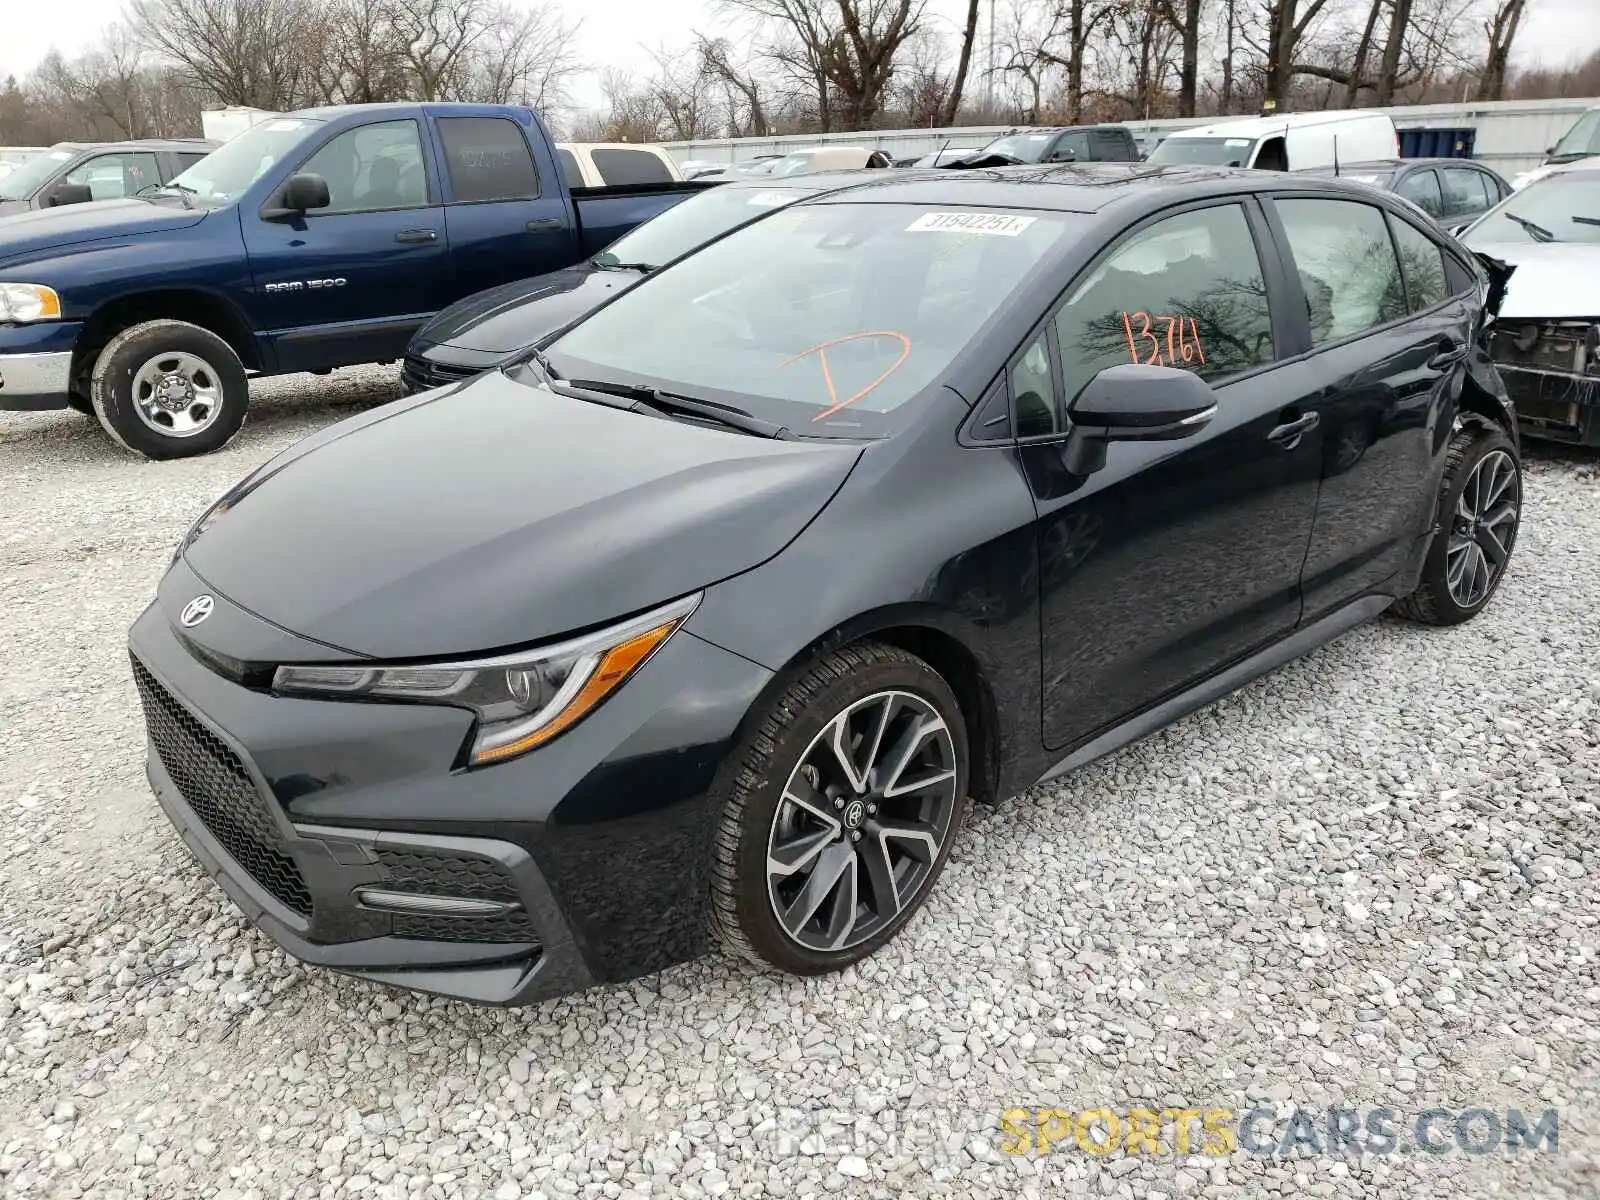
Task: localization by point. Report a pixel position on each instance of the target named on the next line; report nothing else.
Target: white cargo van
(1291, 142)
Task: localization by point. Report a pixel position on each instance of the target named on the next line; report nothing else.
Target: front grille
(214, 782)
(465, 876)
(419, 374)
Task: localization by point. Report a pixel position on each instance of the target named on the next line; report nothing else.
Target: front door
(1175, 558)
(351, 282)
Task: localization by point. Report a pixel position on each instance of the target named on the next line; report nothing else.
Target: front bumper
(36, 365)
(429, 366)
(1554, 406)
(34, 381)
(584, 862)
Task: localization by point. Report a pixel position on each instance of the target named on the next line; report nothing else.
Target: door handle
(417, 235)
(1450, 351)
(544, 224)
(1288, 434)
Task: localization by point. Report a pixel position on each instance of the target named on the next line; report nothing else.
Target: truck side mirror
(301, 194)
(69, 193)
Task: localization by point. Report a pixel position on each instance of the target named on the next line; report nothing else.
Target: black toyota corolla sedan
(710, 618)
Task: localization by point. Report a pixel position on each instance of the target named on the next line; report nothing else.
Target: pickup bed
(319, 239)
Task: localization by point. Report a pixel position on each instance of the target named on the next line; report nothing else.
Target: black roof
(1081, 187)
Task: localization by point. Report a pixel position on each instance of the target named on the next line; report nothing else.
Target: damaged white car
(1546, 337)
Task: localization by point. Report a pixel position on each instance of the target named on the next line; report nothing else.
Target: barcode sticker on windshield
(768, 199)
(994, 224)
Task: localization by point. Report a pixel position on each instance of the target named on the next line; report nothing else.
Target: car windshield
(25, 180)
(1564, 207)
(1206, 151)
(825, 318)
(227, 172)
(1025, 147)
(1582, 139)
(695, 222)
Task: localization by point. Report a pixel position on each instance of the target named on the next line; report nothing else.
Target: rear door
(351, 282)
(1387, 346)
(1113, 145)
(507, 220)
(1176, 558)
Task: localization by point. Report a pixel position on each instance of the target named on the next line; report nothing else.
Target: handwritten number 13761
(1161, 340)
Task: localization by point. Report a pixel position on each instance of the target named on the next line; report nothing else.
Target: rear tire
(877, 818)
(169, 389)
(1478, 515)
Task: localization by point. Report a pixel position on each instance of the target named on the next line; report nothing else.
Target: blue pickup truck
(315, 240)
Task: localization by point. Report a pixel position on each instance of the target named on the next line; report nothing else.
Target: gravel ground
(1368, 880)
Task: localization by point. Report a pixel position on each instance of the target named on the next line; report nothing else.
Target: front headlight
(23, 302)
(521, 700)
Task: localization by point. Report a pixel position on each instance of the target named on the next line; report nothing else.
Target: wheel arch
(928, 634)
(195, 306)
(1484, 402)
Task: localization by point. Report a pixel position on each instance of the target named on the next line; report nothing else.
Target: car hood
(24, 234)
(507, 318)
(498, 514)
(1552, 280)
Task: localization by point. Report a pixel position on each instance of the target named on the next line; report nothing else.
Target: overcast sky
(622, 32)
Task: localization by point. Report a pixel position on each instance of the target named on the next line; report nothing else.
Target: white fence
(1510, 135)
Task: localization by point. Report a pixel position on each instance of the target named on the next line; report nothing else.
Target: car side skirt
(1214, 688)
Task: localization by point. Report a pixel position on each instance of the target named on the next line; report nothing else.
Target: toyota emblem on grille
(196, 610)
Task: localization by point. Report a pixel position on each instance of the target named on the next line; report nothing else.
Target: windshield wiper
(1535, 230)
(1586, 220)
(667, 404)
(183, 190)
(612, 265)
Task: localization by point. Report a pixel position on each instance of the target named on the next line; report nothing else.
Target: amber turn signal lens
(609, 673)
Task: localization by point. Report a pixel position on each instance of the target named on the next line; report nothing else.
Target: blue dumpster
(1436, 143)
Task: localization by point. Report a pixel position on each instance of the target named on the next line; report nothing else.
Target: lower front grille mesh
(463, 876)
(216, 785)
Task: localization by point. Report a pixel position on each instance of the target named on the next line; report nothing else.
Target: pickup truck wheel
(168, 389)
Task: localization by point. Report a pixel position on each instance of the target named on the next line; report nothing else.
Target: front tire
(1479, 513)
(841, 813)
(168, 389)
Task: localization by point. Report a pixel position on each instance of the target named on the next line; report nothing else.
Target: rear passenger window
(1347, 266)
(1422, 189)
(569, 169)
(1464, 191)
(488, 159)
(1110, 146)
(1421, 266)
(1185, 292)
(624, 167)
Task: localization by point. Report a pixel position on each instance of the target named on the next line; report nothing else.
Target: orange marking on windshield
(821, 351)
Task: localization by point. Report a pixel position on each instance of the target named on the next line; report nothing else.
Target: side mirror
(69, 193)
(301, 194)
(1133, 402)
(1459, 227)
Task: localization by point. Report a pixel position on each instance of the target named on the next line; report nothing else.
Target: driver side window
(1184, 292)
(372, 168)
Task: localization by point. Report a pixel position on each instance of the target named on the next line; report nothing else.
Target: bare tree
(1184, 17)
(247, 52)
(963, 64)
(1288, 22)
(742, 95)
(1501, 29)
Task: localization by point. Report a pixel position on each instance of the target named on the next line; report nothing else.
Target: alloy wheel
(862, 821)
(1484, 529)
(177, 394)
